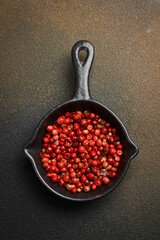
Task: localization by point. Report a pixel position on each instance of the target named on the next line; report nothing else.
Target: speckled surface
(37, 74)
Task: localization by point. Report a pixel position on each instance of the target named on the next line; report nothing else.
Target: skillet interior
(33, 149)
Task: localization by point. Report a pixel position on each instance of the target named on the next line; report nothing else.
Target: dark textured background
(37, 74)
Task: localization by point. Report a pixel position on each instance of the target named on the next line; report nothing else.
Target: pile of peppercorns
(81, 151)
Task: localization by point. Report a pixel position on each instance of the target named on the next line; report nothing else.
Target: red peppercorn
(95, 148)
(70, 150)
(119, 146)
(105, 164)
(99, 142)
(89, 136)
(54, 131)
(92, 115)
(76, 117)
(45, 160)
(81, 138)
(75, 166)
(113, 130)
(117, 158)
(109, 167)
(73, 155)
(88, 121)
(45, 165)
(45, 145)
(85, 143)
(89, 127)
(97, 132)
(92, 143)
(54, 178)
(110, 160)
(116, 164)
(79, 185)
(79, 174)
(83, 171)
(71, 161)
(71, 134)
(93, 186)
(119, 152)
(60, 120)
(94, 122)
(91, 176)
(102, 136)
(98, 183)
(80, 165)
(85, 132)
(52, 168)
(67, 121)
(104, 131)
(83, 122)
(49, 150)
(79, 132)
(60, 164)
(74, 190)
(112, 151)
(83, 178)
(46, 140)
(111, 146)
(97, 117)
(65, 131)
(92, 153)
(54, 146)
(105, 180)
(61, 183)
(74, 180)
(49, 128)
(111, 139)
(69, 187)
(76, 126)
(79, 112)
(67, 114)
(112, 174)
(63, 170)
(96, 157)
(94, 170)
(114, 169)
(99, 153)
(73, 174)
(86, 189)
(53, 155)
(81, 149)
(94, 163)
(58, 150)
(107, 125)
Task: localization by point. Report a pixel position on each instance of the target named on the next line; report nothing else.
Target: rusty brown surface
(37, 74)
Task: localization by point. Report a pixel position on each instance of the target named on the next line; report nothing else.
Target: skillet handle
(82, 69)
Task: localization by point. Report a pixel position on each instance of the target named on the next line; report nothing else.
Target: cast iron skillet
(81, 101)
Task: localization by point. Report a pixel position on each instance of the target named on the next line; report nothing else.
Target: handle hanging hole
(82, 56)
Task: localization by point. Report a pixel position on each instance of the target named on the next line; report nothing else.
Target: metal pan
(81, 101)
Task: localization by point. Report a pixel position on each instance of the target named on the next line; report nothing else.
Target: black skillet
(81, 101)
